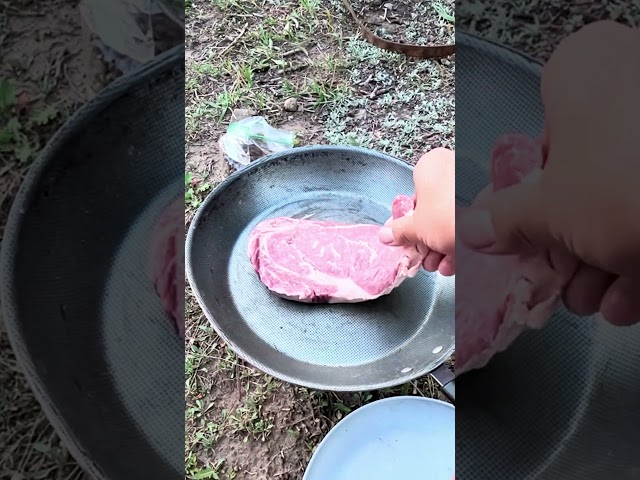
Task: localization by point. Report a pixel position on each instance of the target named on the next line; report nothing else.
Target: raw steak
(166, 262)
(328, 262)
(498, 297)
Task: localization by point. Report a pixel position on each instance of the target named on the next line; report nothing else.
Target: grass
(258, 72)
(31, 449)
(20, 137)
(230, 403)
(33, 104)
(255, 56)
(308, 51)
(194, 190)
(23, 131)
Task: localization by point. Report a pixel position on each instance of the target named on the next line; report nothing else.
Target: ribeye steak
(317, 261)
(498, 297)
(166, 262)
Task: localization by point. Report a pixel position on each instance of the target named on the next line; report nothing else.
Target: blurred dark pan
(561, 403)
(352, 347)
(82, 316)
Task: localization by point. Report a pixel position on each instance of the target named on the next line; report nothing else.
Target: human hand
(586, 203)
(432, 226)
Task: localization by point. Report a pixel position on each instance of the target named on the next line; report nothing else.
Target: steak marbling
(316, 261)
(498, 297)
(166, 262)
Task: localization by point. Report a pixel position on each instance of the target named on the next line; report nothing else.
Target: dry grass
(38, 91)
(325, 85)
(255, 56)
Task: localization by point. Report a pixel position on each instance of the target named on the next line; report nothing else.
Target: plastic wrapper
(129, 33)
(251, 138)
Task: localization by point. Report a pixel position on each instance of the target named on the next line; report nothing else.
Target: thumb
(401, 231)
(510, 221)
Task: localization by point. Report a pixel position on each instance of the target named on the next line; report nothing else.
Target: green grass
(20, 132)
(350, 92)
(194, 191)
(444, 12)
(307, 51)
(270, 42)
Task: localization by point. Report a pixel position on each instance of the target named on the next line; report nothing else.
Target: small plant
(198, 409)
(19, 137)
(442, 11)
(211, 473)
(194, 190)
(209, 435)
(310, 7)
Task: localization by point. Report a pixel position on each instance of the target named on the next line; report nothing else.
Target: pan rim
(535, 67)
(94, 107)
(468, 37)
(195, 222)
(371, 406)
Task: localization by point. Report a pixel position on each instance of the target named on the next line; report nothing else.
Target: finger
(586, 289)
(621, 304)
(482, 199)
(401, 231)
(432, 261)
(423, 249)
(447, 266)
(513, 222)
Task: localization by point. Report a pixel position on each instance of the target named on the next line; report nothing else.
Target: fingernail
(385, 235)
(476, 229)
(619, 305)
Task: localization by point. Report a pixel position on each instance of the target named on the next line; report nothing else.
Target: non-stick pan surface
(362, 346)
(399, 438)
(560, 403)
(80, 309)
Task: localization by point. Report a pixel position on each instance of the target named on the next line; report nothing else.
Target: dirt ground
(346, 92)
(49, 67)
(43, 79)
(303, 67)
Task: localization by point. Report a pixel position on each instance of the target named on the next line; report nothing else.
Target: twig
(23, 13)
(59, 64)
(366, 82)
(234, 41)
(273, 458)
(376, 92)
(75, 89)
(32, 431)
(238, 384)
(295, 422)
(293, 52)
(296, 68)
(279, 474)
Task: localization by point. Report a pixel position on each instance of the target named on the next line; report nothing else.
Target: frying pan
(80, 310)
(341, 347)
(394, 438)
(563, 402)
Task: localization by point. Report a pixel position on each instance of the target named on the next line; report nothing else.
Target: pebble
(242, 113)
(291, 105)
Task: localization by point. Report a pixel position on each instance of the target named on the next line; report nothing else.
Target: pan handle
(447, 381)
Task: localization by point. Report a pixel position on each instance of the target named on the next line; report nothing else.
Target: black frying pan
(86, 326)
(347, 347)
(563, 402)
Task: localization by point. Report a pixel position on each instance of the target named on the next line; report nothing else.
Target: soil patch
(403, 21)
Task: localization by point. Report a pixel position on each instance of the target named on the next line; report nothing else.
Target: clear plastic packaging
(130, 33)
(251, 138)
